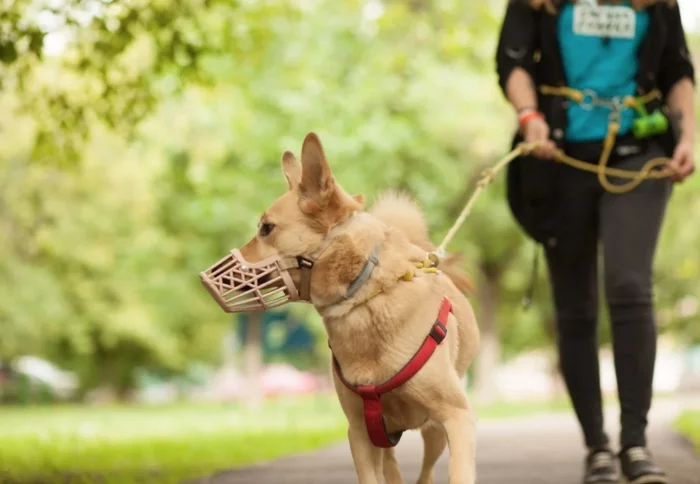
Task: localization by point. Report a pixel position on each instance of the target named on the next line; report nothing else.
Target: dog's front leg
(461, 439)
(366, 457)
(392, 473)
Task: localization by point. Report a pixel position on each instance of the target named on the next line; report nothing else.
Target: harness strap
(371, 394)
(366, 273)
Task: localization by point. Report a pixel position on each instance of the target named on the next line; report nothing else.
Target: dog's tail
(400, 211)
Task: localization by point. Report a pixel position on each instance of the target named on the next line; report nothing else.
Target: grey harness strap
(366, 273)
(306, 264)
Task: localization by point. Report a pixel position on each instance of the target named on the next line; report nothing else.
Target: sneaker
(600, 468)
(638, 468)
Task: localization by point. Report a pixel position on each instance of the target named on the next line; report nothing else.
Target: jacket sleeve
(676, 62)
(517, 41)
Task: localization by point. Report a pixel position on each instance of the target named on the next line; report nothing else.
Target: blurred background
(140, 141)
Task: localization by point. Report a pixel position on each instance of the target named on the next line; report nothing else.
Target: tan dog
(375, 332)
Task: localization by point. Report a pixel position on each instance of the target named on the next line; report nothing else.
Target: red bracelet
(527, 116)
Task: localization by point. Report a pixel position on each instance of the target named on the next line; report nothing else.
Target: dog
(365, 276)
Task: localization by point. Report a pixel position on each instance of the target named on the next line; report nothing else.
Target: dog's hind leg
(392, 473)
(452, 410)
(366, 457)
(434, 442)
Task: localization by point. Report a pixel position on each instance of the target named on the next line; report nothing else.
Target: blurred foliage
(140, 141)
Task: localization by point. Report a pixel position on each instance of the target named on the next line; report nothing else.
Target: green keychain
(649, 125)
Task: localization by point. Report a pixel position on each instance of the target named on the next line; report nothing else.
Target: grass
(157, 444)
(689, 425)
(501, 410)
(164, 444)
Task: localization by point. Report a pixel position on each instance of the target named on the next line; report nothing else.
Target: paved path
(535, 450)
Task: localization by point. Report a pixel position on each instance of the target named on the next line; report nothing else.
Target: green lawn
(689, 425)
(165, 444)
(503, 410)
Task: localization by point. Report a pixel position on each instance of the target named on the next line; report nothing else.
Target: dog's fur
(377, 331)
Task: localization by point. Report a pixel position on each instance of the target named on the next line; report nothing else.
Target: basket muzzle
(241, 286)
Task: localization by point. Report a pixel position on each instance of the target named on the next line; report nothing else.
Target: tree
(149, 145)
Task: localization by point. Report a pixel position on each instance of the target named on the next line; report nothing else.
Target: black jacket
(528, 39)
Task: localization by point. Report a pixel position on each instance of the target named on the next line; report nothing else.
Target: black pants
(623, 229)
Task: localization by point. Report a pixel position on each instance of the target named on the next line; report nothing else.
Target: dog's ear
(292, 169)
(316, 178)
(359, 198)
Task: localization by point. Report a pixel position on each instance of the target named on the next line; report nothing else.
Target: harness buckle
(438, 332)
(304, 263)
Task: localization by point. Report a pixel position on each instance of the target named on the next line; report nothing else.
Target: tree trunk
(489, 354)
(253, 360)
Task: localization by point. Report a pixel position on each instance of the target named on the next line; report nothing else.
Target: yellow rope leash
(580, 96)
(648, 172)
(487, 177)
(589, 98)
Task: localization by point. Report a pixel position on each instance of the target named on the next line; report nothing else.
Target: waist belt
(588, 98)
(371, 394)
(644, 126)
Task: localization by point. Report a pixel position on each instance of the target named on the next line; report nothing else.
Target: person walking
(611, 83)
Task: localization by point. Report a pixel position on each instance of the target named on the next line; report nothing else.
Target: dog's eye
(265, 229)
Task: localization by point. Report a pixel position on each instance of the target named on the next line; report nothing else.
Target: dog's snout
(260, 281)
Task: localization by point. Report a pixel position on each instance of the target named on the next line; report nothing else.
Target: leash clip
(434, 257)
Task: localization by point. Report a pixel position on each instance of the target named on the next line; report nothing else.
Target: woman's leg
(572, 264)
(630, 225)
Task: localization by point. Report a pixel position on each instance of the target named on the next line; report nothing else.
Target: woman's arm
(515, 66)
(681, 104)
(520, 90)
(677, 82)
(676, 61)
(517, 43)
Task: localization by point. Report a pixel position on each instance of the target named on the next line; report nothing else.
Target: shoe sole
(609, 479)
(647, 480)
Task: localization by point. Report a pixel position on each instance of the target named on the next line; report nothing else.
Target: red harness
(371, 394)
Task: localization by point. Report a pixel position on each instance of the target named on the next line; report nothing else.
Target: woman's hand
(536, 130)
(683, 161)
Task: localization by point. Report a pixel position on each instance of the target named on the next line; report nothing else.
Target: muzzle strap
(305, 266)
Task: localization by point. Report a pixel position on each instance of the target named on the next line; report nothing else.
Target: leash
(487, 177)
(636, 177)
(644, 126)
